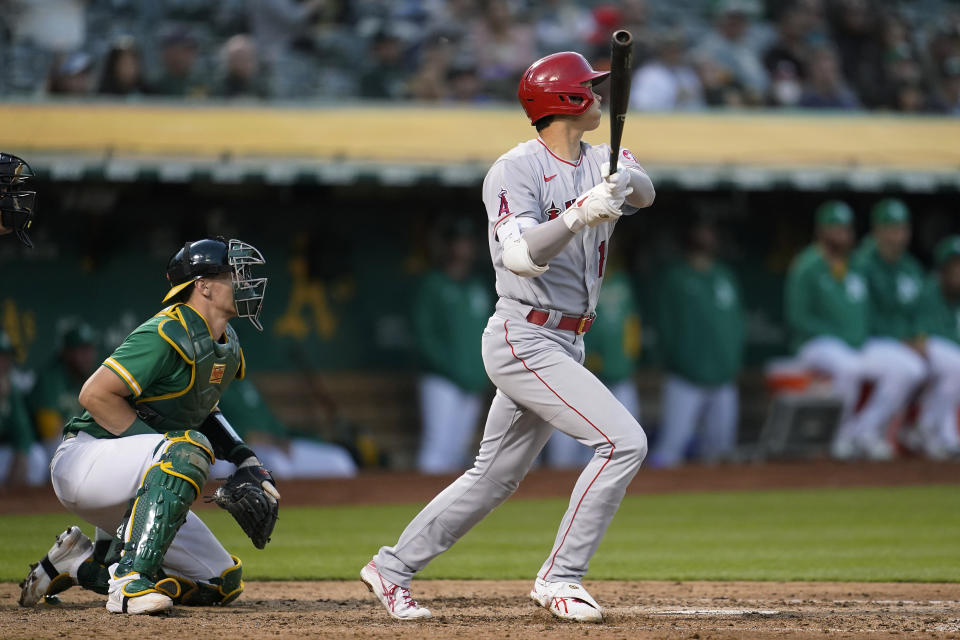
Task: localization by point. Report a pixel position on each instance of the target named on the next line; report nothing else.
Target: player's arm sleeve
(798, 305)
(643, 193)
(141, 359)
(227, 444)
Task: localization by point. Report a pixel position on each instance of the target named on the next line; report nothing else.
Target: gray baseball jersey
(529, 185)
(541, 382)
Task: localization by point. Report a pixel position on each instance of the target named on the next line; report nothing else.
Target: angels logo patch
(504, 207)
(626, 153)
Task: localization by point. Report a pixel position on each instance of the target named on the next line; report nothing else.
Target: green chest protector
(213, 366)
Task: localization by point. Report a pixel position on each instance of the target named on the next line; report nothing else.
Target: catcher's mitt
(250, 495)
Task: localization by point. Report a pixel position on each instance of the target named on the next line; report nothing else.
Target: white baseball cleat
(566, 600)
(397, 600)
(57, 570)
(135, 595)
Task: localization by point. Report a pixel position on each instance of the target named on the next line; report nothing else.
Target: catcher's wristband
(240, 453)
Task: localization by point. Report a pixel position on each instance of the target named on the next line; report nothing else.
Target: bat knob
(622, 37)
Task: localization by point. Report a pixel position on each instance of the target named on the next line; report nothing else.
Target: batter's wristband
(240, 453)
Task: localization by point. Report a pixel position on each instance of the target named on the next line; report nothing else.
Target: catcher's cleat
(396, 599)
(56, 571)
(134, 594)
(566, 600)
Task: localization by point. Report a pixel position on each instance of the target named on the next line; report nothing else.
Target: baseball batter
(134, 461)
(551, 210)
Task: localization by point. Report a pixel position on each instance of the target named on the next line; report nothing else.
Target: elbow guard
(516, 257)
(227, 445)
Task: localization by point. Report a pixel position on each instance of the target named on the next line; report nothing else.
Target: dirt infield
(479, 610)
(380, 487)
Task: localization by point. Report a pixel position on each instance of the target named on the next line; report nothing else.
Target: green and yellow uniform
(613, 345)
(448, 319)
(894, 291)
(54, 399)
(937, 316)
(700, 324)
(822, 301)
(16, 431)
(175, 371)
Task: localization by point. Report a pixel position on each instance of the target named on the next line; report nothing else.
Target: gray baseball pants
(541, 385)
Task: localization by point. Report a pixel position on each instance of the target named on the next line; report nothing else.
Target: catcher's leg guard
(93, 574)
(217, 591)
(168, 489)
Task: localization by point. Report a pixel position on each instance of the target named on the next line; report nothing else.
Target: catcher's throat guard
(212, 256)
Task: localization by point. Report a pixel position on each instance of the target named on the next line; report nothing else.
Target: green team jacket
(894, 290)
(700, 324)
(16, 431)
(448, 319)
(819, 302)
(613, 343)
(54, 399)
(937, 315)
(174, 370)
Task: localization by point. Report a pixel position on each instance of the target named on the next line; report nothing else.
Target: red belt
(577, 324)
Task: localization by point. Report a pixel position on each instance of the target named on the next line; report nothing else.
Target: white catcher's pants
(96, 479)
(450, 417)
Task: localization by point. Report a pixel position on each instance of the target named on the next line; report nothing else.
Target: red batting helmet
(547, 86)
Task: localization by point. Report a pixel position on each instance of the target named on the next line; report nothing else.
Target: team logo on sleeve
(504, 207)
(216, 374)
(629, 155)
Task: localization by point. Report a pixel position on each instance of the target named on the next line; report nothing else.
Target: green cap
(890, 211)
(834, 212)
(947, 248)
(6, 346)
(78, 335)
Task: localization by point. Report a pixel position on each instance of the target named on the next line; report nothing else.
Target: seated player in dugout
(135, 460)
(16, 203)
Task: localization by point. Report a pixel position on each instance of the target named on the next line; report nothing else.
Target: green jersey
(894, 291)
(700, 323)
(54, 399)
(938, 316)
(448, 319)
(174, 370)
(16, 431)
(822, 302)
(613, 344)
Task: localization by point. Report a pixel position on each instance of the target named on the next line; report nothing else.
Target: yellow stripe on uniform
(121, 371)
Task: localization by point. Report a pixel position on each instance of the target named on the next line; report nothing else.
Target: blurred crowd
(689, 54)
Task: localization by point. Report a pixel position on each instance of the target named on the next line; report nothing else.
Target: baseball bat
(621, 59)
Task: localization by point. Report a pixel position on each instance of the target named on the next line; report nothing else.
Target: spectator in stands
(668, 82)
(950, 86)
(612, 352)
(450, 311)
(278, 24)
(939, 321)
(720, 87)
(465, 85)
(51, 25)
(122, 70)
(733, 46)
(55, 396)
(71, 75)
(562, 25)
(240, 75)
(504, 43)
(387, 78)
(430, 81)
(828, 313)
(288, 455)
(180, 76)
(894, 279)
(22, 460)
(786, 59)
(825, 87)
(701, 332)
(855, 27)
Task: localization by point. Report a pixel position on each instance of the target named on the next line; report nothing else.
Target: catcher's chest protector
(213, 367)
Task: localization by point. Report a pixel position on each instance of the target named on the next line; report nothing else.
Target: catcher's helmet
(16, 204)
(547, 86)
(212, 256)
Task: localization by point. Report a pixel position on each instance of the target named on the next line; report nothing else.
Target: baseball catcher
(138, 456)
(16, 204)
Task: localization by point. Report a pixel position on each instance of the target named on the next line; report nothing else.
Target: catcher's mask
(212, 256)
(16, 204)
